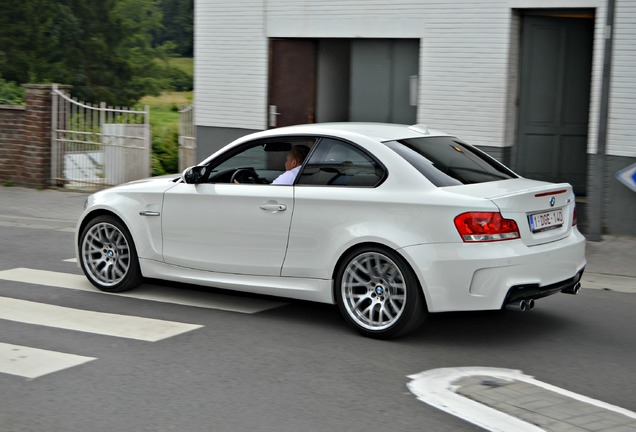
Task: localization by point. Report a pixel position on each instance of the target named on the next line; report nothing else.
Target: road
(277, 366)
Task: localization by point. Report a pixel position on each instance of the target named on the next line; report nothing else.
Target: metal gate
(94, 147)
(187, 138)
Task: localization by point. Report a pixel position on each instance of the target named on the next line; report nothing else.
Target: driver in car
(294, 161)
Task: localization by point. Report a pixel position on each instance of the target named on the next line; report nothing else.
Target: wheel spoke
(106, 254)
(373, 291)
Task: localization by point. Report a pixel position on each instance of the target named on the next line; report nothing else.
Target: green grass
(164, 125)
(164, 121)
(186, 64)
(164, 109)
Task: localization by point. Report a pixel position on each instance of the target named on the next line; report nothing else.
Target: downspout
(598, 172)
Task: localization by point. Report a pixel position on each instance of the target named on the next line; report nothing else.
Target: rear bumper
(486, 276)
(534, 291)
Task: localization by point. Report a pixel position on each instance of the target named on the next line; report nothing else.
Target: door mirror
(195, 175)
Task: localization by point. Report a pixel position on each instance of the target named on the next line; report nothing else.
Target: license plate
(546, 221)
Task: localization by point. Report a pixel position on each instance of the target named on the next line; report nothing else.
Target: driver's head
(296, 156)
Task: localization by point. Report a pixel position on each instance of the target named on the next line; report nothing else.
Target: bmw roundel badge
(552, 201)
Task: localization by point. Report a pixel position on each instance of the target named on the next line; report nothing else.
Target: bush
(165, 150)
(11, 93)
(179, 80)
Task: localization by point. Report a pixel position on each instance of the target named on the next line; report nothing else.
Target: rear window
(446, 161)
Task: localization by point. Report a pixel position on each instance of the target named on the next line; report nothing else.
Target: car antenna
(422, 128)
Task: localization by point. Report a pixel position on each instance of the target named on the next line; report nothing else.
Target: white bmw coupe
(389, 222)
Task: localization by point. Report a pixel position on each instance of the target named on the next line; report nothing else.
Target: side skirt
(317, 290)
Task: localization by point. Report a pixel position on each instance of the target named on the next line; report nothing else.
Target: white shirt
(288, 177)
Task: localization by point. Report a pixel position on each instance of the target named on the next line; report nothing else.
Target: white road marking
(32, 362)
(71, 260)
(202, 299)
(124, 326)
(435, 387)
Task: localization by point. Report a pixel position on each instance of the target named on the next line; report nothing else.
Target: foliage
(108, 50)
(178, 26)
(164, 122)
(165, 150)
(10, 93)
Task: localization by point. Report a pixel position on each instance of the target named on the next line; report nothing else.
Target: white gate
(187, 138)
(93, 147)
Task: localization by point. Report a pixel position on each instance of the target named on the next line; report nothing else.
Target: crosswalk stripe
(202, 299)
(33, 362)
(124, 326)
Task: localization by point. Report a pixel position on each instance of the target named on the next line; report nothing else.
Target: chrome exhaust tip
(520, 305)
(573, 289)
(530, 304)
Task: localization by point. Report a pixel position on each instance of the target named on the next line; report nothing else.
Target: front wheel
(107, 255)
(378, 293)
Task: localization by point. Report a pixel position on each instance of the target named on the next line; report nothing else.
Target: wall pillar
(25, 139)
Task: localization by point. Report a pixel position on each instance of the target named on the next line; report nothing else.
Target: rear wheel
(378, 293)
(107, 255)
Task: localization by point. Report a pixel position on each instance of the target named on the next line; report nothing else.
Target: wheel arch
(92, 215)
(378, 245)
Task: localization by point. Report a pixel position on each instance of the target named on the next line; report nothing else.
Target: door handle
(273, 112)
(274, 207)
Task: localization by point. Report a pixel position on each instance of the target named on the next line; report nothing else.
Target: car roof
(378, 131)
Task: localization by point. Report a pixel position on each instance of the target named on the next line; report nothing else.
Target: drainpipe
(598, 173)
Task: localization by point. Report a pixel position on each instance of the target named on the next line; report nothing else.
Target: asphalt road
(291, 367)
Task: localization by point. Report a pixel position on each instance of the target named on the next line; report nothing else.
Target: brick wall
(25, 138)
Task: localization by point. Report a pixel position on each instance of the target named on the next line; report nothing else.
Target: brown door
(292, 82)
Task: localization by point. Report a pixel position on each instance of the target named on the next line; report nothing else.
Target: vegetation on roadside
(113, 51)
(10, 93)
(164, 124)
(122, 52)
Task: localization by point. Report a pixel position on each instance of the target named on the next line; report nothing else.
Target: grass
(164, 109)
(164, 124)
(164, 121)
(186, 64)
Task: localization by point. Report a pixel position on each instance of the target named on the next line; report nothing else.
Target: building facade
(521, 79)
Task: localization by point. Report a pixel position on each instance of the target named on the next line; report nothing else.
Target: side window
(259, 161)
(253, 157)
(338, 163)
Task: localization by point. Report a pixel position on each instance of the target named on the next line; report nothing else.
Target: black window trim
(385, 172)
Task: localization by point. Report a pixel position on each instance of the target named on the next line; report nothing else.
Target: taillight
(485, 227)
(574, 221)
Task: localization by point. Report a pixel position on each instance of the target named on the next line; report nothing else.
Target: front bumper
(486, 276)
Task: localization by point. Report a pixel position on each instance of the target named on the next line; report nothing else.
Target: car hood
(149, 187)
(157, 184)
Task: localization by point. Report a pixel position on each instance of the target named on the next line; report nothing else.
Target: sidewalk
(611, 263)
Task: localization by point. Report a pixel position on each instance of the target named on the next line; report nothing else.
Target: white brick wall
(468, 59)
(231, 58)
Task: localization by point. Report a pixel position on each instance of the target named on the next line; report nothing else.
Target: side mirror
(195, 175)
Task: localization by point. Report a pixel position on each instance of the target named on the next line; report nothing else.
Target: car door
(335, 199)
(225, 227)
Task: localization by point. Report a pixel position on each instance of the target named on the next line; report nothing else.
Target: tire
(107, 255)
(378, 293)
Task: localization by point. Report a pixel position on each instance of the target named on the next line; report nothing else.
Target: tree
(102, 48)
(178, 26)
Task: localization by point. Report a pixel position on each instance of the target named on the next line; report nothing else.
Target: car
(388, 222)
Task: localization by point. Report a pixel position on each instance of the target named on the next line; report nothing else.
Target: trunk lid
(543, 211)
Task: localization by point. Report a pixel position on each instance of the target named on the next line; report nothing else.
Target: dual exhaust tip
(521, 305)
(574, 289)
(528, 305)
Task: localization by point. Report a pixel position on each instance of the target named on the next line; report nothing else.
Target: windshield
(446, 161)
